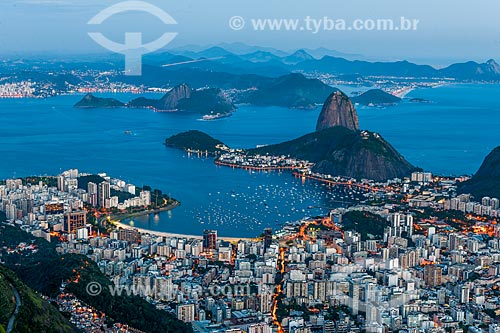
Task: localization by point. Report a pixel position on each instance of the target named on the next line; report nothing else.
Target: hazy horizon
(448, 31)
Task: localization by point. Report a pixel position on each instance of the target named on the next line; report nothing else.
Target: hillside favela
(249, 167)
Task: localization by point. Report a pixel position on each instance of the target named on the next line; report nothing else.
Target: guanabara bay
(249, 167)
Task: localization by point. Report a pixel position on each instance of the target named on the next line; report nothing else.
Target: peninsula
(337, 148)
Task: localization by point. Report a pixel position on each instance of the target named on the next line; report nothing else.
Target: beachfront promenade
(174, 235)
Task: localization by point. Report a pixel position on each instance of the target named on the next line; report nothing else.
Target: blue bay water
(450, 136)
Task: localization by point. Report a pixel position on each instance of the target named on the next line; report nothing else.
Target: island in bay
(337, 148)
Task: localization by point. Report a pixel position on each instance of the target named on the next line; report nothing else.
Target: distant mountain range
(242, 50)
(236, 66)
(270, 62)
(220, 68)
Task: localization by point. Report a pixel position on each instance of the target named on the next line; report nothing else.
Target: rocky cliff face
(368, 156)
(171, 100)
(338, 111)
(338, 148)
(339, 151)
(486, 181)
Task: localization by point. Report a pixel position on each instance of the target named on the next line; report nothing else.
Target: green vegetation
(7, 303)
(183, 98)
(442, 215)
(313, 147)
(194, 140)
(50, 181)
(90, 101)
(206, 101)
(35, 314)
(340, 151)
(292, 90)
(44, 270)
(367, 224)
(132, 310)
(486, 181)
(376, 97)
(454, 218)
(158, 199)
(83, 181)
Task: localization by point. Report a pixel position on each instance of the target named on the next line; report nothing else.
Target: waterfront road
(12, 319)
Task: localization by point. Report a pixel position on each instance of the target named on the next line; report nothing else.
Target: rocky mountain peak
(338, 110)
(172, 98)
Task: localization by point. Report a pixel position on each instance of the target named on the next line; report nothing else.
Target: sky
(448, 30)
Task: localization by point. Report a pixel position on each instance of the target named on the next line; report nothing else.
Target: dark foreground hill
(486, 181)
(35, 314)
(44, 270)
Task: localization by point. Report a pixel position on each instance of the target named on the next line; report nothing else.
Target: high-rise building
(433, 275)
(132, 236)
(185, 312)
(104, 192)
(495, 203)
(259, 328)
(146, 197)
(421, 177)
(209, 240)
(464, 294)
(71, 184)
(329, 327)
(61, 183)
(268, 237)
(92, 192)
(354, 296)
(74, 221)
(409, 225)
(266, 301)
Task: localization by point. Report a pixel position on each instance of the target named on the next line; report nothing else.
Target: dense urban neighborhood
(416, 257)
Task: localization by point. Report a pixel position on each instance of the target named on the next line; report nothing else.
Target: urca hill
(338, 147)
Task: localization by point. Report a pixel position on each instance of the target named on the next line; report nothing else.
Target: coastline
(119, 224)
(120, 217)
(116, 221)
